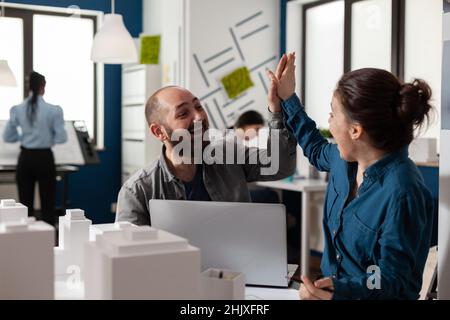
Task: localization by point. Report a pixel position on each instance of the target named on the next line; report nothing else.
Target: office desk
(307, 187)
(74, 290)
(63, 292)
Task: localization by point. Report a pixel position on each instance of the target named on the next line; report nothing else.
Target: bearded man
(172, 109)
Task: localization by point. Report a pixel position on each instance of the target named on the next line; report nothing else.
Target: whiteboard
(66, 153)
(222, 36)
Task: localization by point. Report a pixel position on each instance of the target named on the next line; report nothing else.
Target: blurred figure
(41, 127)
(248, 125)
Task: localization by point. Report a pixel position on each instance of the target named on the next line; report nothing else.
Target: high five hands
(282, 83)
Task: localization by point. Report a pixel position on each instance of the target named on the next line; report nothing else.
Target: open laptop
(244, 237)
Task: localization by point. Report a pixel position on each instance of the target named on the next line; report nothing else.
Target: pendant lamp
(113, 43)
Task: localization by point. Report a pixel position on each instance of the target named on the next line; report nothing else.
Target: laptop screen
(243, 237)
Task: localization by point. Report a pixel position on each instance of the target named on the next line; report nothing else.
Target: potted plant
(326, 133)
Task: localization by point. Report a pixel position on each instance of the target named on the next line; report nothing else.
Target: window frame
(397, 36)
(26, 13)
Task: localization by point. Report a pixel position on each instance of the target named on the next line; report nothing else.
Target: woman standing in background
(38, 126)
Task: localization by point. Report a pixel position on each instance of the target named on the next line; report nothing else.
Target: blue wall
(95, 187)
(283, 11)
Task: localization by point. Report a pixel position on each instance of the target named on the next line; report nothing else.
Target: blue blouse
(45, 132)
(376, 245)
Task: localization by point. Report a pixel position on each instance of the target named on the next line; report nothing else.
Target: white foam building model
(142, 262)
(26, 254)
(73, 233)
(98, 229)
(10, 211)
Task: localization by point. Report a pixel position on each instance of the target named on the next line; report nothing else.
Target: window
(324, 51)
(343, 35)
(423, 48)
(61, 52)
(56, 44)
(11, 50)
(371, 39)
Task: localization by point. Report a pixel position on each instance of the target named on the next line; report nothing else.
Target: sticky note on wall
(237, 82)
(150, 46)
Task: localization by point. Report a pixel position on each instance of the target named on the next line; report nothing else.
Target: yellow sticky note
(237, 82)
(150, 46)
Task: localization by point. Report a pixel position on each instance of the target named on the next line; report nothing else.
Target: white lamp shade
(7, 78)
(113, 43)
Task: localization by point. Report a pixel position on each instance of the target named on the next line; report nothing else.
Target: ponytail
(37, 81)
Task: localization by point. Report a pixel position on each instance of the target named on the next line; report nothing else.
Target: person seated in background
(173, 109)
(247, 128)
(378, 213)
(248, 124)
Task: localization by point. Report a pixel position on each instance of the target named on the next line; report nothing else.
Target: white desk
(306, 187)
(254, 293)
(70, 290)
(63, 291)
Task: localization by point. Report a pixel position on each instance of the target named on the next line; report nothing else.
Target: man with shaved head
(172, 109)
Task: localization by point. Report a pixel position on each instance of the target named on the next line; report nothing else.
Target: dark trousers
(37, 165)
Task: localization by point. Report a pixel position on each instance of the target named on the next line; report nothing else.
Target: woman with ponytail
(377, 212)
(41, 127)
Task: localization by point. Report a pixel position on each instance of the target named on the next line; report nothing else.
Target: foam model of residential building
(26, 254)
(141, 263)
(74, 231)
(69, 254)
(114, 261)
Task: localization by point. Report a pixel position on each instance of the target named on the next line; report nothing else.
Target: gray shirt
(224, 182)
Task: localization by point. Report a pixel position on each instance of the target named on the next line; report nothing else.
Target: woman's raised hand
(286, 82)
(283, 82)
(272, 96)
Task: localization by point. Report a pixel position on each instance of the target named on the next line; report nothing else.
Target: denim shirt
(376, 245)
(47, 130)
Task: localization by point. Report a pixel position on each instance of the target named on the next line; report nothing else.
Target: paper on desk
(256, 293)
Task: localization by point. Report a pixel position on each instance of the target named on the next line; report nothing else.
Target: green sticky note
(237, 82)
(150, 49)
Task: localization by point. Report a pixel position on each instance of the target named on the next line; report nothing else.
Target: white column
(444, 167)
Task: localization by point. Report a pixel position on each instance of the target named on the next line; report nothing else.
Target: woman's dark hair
(249, 118)
(389, 111)
(37, 81)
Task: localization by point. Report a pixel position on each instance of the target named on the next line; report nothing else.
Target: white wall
(444, 218)
(152, 16)
(444, 177)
